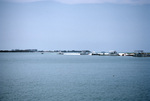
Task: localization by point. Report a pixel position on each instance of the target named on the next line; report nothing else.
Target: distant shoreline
(137, 53)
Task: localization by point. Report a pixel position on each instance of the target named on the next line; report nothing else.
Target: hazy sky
(96, 25)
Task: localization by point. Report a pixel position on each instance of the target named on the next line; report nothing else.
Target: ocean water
(50, 77)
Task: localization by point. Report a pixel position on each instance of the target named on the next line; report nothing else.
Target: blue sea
(51, 77)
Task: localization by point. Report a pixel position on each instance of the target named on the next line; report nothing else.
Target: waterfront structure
(70, 53)
(122, 54)
(103, 53)
(140, 53)
(85, 52)
(113, 53)
(74, 52)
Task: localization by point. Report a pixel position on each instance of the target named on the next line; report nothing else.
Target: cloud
(87, 1)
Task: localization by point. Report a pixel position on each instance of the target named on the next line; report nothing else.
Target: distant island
(20, 50)
(136, 53)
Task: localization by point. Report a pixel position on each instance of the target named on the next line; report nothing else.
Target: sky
(96, 25)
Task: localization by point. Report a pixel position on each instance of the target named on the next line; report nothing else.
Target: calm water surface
(48, 77)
